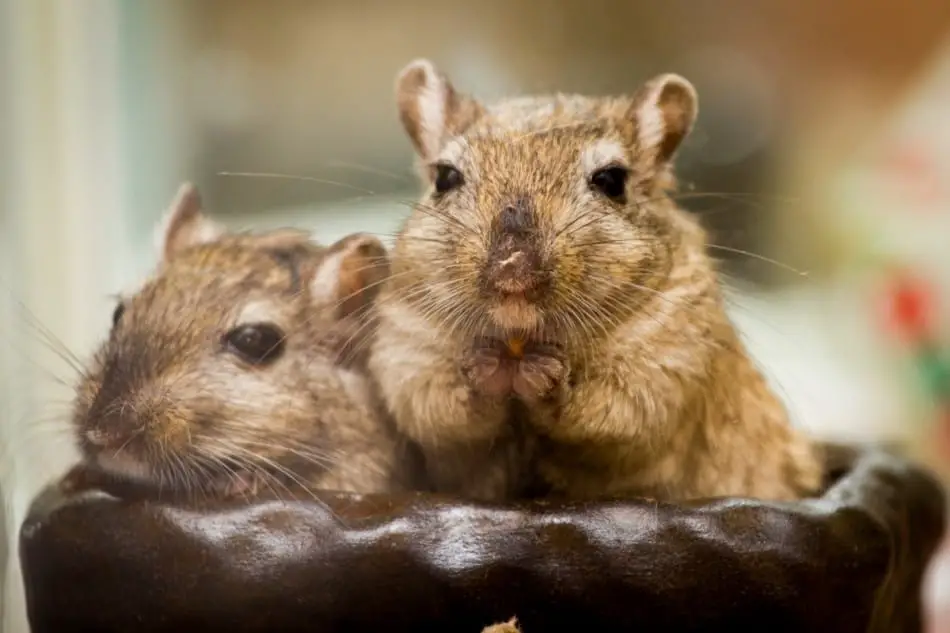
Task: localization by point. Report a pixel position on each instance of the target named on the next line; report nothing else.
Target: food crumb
(516, 347)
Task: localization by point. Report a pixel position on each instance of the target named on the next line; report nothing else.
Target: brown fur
(639, 382)
(165, 402)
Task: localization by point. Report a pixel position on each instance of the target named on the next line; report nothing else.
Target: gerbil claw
(540, 375)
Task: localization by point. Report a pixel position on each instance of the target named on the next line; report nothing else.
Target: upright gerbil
(224, 374)
(547, 260)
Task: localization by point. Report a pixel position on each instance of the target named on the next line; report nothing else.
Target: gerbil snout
(116, 443)
(513, 266)
(513, 271)
(110, 434)
(131, 430)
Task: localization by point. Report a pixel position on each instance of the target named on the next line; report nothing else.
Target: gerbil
(547, 264)
(226, 373)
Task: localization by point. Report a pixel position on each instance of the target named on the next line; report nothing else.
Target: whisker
(254, 174)
(768, 260)
(369, 170)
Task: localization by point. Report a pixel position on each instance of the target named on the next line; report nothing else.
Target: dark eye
(611, 182)
(117, 314)
(258, 343)
(447, 178)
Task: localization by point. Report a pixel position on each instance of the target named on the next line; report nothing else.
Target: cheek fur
(470, 257)
(600, 257)
(427, 244)
(253, 406)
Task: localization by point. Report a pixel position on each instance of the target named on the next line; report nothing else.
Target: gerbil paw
(542, 374)
(487, 371)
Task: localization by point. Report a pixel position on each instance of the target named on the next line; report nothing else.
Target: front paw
(543, 374)
(488, 371)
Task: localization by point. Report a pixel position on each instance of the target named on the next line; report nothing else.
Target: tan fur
(165, 401)
(511, 626)
(653, 393)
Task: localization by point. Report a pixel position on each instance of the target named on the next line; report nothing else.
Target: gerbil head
(225, 360)
(540, 212)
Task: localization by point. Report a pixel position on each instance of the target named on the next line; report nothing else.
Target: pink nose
(98, 437)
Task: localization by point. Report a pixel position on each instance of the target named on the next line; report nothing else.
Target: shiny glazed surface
(854, 557)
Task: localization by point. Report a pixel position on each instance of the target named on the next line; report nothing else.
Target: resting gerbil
(548, 224)
(226, 373)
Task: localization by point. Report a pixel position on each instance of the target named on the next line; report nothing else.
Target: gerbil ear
(185, 224)
(351, 273)
(430, 108)
(664, 109)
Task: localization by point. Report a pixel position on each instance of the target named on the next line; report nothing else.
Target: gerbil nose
(112, 422)
(516, 218)
(99, 437)
(514, 264)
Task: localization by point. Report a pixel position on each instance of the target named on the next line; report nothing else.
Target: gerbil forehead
(220, 281)
(238, 268)
(519, 156)
(539, 113)
(542, 134)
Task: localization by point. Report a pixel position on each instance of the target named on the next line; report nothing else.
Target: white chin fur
(124, 466)
(516, 314)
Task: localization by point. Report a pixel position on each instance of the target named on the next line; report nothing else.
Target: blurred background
(819, 162)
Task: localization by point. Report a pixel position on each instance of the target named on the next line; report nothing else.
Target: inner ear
(664, 109)
(430, 108)
(351, 274)
(185, 224)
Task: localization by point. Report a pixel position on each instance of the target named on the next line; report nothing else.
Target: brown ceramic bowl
(851, 560)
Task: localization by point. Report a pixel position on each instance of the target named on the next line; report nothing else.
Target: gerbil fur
(633, 380)
(170, 400)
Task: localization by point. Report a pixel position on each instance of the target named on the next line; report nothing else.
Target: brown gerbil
(227, 374)
(552, 262)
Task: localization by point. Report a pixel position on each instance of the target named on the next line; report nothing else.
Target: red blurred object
(910, 307)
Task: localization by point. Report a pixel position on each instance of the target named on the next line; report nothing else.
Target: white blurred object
(822, 354)
(69, 234)
(895, 200)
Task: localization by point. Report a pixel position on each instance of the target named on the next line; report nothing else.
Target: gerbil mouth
(515, 313)
(122, 465)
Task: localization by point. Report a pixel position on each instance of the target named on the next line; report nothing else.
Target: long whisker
(768, 260)
(253, 174)
(369, 170)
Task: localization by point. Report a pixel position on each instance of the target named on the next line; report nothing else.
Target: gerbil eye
(447, 178)
(258, 343)
(117, 314)
(611, 182)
